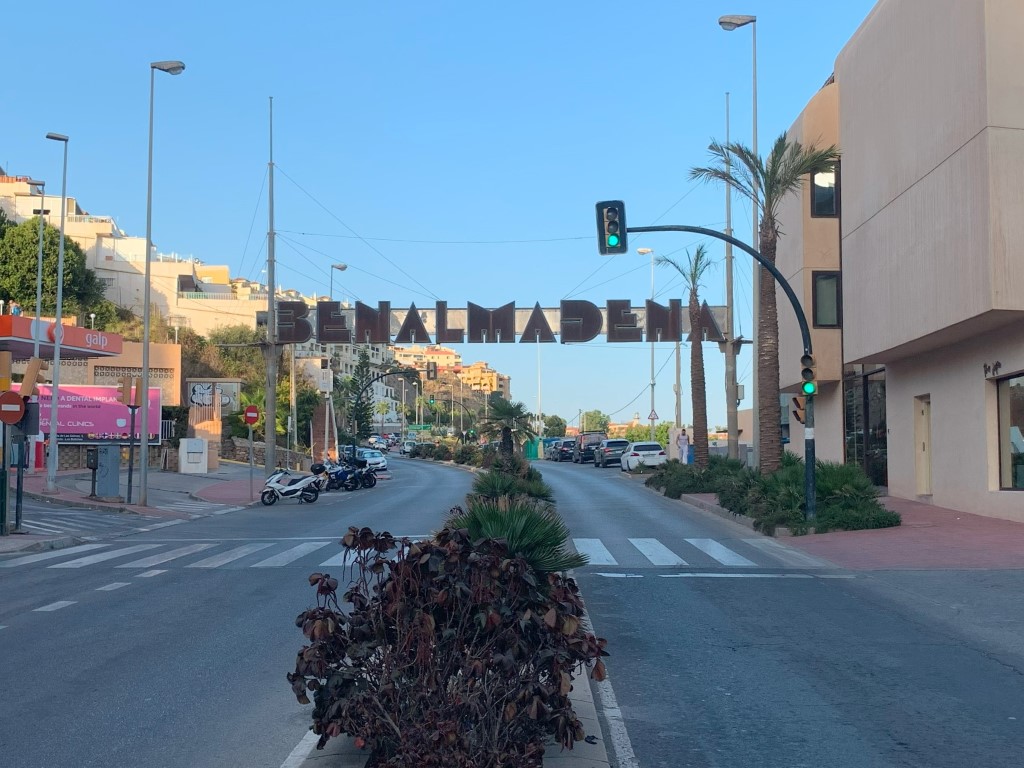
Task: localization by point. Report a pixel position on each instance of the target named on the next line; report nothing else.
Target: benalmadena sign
(572, 321)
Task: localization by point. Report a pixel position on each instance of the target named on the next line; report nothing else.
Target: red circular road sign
(252, 414)
(12, 407)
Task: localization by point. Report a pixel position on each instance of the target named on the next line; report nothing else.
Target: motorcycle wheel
(268, 497)
(369, 481)
(309, 495)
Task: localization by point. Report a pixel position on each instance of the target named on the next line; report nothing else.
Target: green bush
(494, 484)
(467, 454)
(442, 452)
(846, 499)
(676, 479)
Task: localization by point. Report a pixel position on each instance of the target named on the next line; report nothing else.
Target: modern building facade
(930, 115)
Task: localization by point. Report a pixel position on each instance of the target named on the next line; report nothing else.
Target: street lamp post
(644, 252)
(729, 23)
(92, 322)
(58, 330)
(341, 268)
(171, 68)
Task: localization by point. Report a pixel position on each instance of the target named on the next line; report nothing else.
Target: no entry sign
(12, 407)
(252, 414)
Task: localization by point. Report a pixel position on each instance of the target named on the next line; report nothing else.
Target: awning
(18, 334)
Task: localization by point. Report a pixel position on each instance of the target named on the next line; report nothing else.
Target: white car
(374, 459)
(646, 453)
(407, 446)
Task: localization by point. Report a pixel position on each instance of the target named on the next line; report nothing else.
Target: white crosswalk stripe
(629, 553)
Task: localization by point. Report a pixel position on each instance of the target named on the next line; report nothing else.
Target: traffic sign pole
(251, 416)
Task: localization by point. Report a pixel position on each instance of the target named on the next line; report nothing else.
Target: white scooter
(283, 485)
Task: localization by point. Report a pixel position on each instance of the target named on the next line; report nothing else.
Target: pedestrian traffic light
(808, 375)
(33, 375)
(431, 372)
(431, 399)
(124, 390)
(611, 227)
(798, 409)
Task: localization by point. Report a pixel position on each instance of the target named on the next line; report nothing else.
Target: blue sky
(442, 150)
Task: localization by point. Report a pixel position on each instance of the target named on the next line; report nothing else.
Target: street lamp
(729, 23)
(644, 252)
(58, 329)
(41, 212)
(92, 320)
(341, 268)
(171, 68)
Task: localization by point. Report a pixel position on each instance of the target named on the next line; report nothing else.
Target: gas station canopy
(18, 334)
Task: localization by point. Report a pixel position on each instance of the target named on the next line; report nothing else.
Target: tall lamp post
(644, 252)
(729, 23)
(171, 68)
(58, 329)
(341, 268)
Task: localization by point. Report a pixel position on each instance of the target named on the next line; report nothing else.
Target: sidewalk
(73, 487)
(930, 538)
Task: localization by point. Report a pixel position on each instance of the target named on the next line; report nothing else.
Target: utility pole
(270, 422)
(730, 349)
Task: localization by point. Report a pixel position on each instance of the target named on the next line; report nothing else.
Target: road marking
(290, 555)
(56, 606)
(229, 509)
(51, 554)
(595, 551)
(113, 586)
(226, 557)
(46, 527)
(163, 557)
(163, 525)
(148, 574)
(109, 555)
(339, 559)
(721, 553)
(836, 576)
(736, 575)
(657, 552)
(785, 554)
(620, 575)
(302, 750)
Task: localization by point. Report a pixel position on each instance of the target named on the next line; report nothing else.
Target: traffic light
(798, 409)
(431, 399)
(611, 227)
(808, 376)
(124, 390)
(431, 372)
(33, 375)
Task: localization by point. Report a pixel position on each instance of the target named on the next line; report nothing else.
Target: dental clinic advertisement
(94, 414)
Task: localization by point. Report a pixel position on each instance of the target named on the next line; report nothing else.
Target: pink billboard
(94, 414)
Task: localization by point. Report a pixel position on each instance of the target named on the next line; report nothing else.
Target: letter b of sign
(292, 325)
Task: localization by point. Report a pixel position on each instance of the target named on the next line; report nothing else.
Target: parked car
(647, 453)
(407, 446)
(565, 448)
(608, 452)
(586, 442)
(373, 458)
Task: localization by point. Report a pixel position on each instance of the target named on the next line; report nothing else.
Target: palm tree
(766, 183)
(505, 420)
(697, 264)
(382, 409)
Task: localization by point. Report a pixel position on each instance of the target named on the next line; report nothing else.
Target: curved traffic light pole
(810, 484)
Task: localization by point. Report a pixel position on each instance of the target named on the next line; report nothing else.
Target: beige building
(417, 356)
(930, 112)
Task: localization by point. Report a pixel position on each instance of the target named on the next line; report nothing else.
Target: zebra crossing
(206, 554)
(759, 552)
(64, 520)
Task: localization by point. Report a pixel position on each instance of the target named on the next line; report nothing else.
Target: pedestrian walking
(683, 444)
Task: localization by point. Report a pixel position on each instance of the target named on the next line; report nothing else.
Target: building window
(827, 298)
(1011, 432)
(825, 193)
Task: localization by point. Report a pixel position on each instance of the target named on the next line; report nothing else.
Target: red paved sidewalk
(930, 538)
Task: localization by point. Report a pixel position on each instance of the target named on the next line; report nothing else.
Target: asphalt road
(760, 666)
(169, 648)
(172, 652)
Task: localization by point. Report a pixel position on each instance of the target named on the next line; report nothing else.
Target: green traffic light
(613, 241)
(809, 388)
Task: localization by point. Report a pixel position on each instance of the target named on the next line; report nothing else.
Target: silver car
(608, 452)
